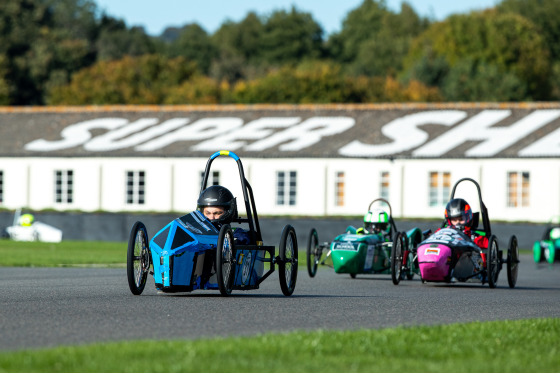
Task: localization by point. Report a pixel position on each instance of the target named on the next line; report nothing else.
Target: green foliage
(141, 80)
(197, 90)
(479, 81)
(194, 44)
(290, 37)
(526, 346)
(383, 52)
(55, 52)
(543, 14)
(506, 44)
(115, 43)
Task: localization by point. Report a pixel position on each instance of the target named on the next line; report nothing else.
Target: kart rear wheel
(512, 261)
(397, 258)
(538, 252)
(409, 265)
(313, 255)
(225, 260)
(138, 258)
(492, 262)
(288, 264)
(549, 252)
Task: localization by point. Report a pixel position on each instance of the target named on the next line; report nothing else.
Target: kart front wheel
(512, 261)
(288, 264)
(225, 264)
(138, 258)
(313, 255)
(397, 258)
(492, 262)
(549, 252)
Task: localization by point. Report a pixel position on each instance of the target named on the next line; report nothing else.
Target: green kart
(548, 248)
(368, 250)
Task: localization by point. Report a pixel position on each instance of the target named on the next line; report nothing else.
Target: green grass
(503, 346)
(65, 253)
(73, 253)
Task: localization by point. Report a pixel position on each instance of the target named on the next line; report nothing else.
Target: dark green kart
(354, 253)
(548, 248)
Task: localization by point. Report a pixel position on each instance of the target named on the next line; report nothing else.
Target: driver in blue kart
(458, 214)
(376, 222)
(219, 206)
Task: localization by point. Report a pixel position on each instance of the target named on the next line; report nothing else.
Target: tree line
(67, 52)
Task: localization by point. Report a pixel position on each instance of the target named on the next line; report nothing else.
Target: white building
(319, 160)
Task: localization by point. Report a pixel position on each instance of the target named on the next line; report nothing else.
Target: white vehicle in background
(26, 229)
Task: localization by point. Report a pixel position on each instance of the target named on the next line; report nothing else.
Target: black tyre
(313, 255)
(410, 266)
(288, 264)
(225, 260)
(353, 275)
(492, 262)
(138, 258)
(512, 261)
(397, 258)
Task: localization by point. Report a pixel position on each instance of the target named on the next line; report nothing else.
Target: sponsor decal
(291, 134)
(344, 246)
(432, 251)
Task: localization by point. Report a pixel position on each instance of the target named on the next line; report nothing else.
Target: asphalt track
(46, 307)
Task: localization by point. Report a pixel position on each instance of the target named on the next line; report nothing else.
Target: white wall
(173, 184)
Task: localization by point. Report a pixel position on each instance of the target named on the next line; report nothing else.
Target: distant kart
(449, 255)
(548, 248)
(36, 232)
(190, 254)
(353, 253)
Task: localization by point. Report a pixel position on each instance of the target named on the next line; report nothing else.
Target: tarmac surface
(47, 307)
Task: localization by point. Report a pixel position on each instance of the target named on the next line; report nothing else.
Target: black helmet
(459, 208)
(218, 196)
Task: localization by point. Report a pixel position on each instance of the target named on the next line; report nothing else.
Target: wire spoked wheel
(313, 255)
(397, 258)
(138, 258)
(512, 261)
(225, 260)
(288, 264)
(492, 262)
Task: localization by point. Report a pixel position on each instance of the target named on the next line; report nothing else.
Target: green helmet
(376, 221)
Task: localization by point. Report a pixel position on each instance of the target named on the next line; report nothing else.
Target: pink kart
(449, 255)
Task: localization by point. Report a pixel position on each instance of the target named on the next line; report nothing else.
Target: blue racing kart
(189, 253)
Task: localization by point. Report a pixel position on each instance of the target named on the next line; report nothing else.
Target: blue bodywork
(183, 255)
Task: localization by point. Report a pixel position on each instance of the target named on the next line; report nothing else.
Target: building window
(135, 187)
(518, 189)
(64, 186)
(339, 189)
(286, 188)
(384, 186)
(1, 186)
(213, 178)
(440, 183)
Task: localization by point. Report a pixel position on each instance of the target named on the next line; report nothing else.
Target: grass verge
(65, 253)
(501, 346)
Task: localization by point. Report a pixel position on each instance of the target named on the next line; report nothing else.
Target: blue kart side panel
(179, 249)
